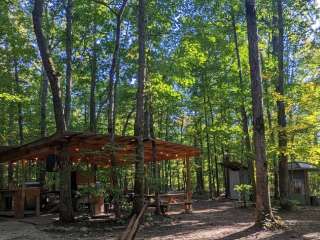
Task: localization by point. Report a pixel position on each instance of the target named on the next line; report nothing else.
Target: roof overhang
(96, 148)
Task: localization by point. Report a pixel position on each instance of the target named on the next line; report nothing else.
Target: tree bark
(272, 136)
(43, 104)
(139, 166)
(10, 143)
(67, 105)
(211, 182)
(282, 122)
(125, 126)
(93, 84)
(263, 206)
(199, 169)
(111, 106)
(216, 166)
(43, 122)
(66, 210)
(52, 74)
(18, 91)
(244, 116)
(65, 207)
(156, 170)
(215, 151)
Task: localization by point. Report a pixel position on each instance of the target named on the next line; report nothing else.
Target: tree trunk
(112, 110)
(263, 206)
(10, 143)
(272, 137)
(125, 126)
(43, 122)
(66, 210)
(211, 183)
(216, 166)
(282, 133)
(139, 166)
(66, 207)
(67, 105)
(93, 83)
(43, 104)
(199, 169)
(244, 116)
(156, 170)
(166, 163)
(18, 91)
(48, 66)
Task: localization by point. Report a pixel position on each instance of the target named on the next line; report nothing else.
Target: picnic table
(166, 200)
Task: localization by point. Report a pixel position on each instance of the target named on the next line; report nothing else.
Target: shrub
(244, 190)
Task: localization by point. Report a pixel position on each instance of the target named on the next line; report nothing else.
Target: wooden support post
(1, 176)
(188, 202)
(10, 175)
(19, 196)
(66, 213)
(18, 203)
(38, 204)
(307, 190)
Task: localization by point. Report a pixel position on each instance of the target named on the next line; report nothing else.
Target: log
(133, 226)
(126, 232)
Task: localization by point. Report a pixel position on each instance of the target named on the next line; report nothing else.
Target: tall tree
(43, 121)
(272, 136)
(18, 91)
(43, 104)
(139, 122)
(282, 122)
(112, 99)
(67, 105)
(212, 189)
(93, 85)
(244, 115)
(66, 209)
(263, 206)
(48, 65)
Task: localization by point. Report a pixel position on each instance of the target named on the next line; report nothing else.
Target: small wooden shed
(299, 188)
(235, 173)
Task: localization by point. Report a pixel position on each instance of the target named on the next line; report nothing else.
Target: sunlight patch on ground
(313, 236)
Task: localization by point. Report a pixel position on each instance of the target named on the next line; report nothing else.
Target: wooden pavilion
(94, 149)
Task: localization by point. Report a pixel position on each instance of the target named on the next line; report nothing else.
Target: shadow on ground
(220, 220)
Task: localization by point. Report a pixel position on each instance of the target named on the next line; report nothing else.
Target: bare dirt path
(14, 230)
(209, 221)
(222, 221)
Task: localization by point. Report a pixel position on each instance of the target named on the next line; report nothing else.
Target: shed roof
(296, 166)
(234, 165)
(95, 148)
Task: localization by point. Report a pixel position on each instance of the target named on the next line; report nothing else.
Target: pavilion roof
(95, 148)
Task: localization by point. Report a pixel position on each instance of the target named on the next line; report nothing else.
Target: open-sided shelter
(94, 149)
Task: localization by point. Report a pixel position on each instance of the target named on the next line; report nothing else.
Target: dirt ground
(216, 220)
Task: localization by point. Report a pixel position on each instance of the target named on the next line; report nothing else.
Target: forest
(139, 103)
